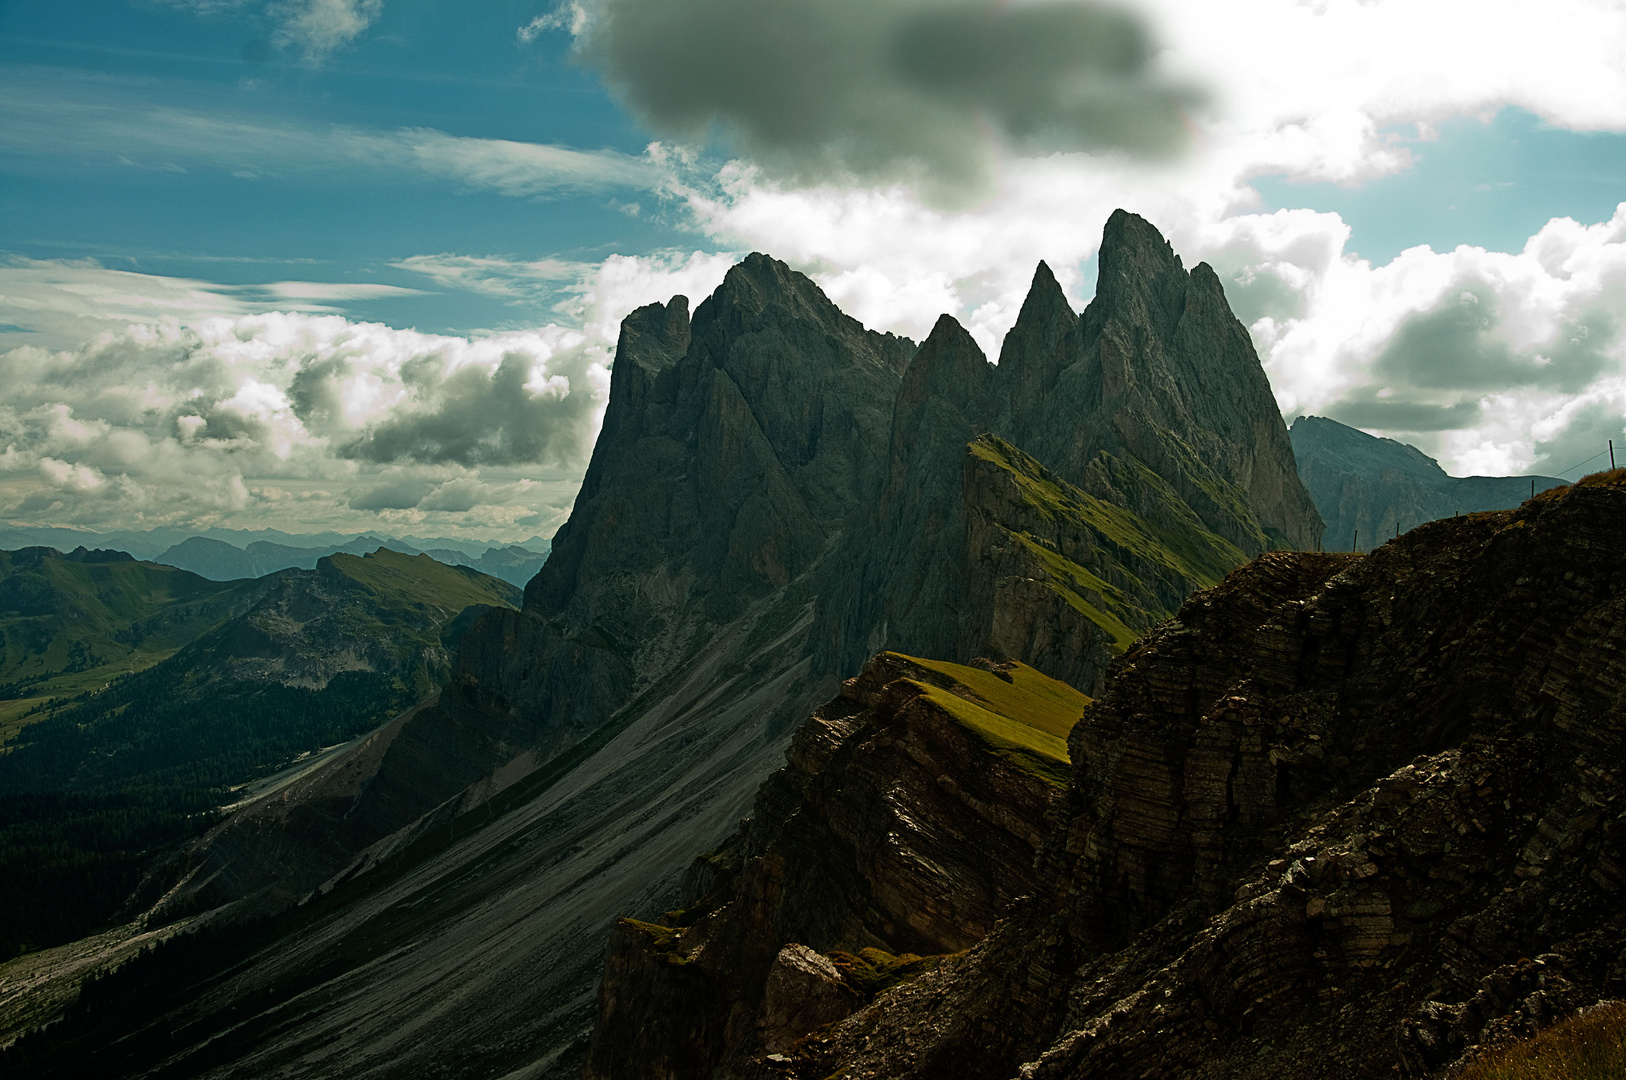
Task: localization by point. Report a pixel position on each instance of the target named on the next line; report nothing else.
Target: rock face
(1367, 485)
(907, 818)
(1319, 824)
(1152, 400)
(777, 495)
(804, 992)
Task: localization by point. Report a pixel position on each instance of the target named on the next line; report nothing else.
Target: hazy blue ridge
(1366, 485)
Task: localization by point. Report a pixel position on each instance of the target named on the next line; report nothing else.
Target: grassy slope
(69, 627)
(1588, 1046)
(1169, 543)
(413, 599)
(1024, 721)
(417, 582)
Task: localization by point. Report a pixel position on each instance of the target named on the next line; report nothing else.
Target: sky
(359, 264)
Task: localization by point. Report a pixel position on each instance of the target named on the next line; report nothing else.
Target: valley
(251, 676)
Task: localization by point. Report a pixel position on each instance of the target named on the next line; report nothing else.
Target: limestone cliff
(1346, 815)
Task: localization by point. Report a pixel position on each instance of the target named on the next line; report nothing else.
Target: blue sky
(1488, 183)
(232, 214)
(260, 259)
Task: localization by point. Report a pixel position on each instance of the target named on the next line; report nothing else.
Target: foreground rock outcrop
(906, 819)
(1346, 815)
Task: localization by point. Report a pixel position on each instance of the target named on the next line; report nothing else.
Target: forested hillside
(95, 784)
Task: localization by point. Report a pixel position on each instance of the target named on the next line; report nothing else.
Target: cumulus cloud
(1496, 361)
(171, 420)
(885, 90)
(192, 403)
(520, 412)
(317, 27)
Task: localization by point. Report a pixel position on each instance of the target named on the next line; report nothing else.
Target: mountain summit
(777, 493)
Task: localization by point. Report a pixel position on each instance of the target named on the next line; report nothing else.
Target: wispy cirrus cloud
(315, 28)
(60, 303)
(490, 275)
(50, 122)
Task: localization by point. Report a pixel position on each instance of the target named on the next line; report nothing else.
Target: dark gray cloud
(1254, 293)
(478, 416)
(419, 493)
(1585, 436)
(1461, 344)
(1440, 364)
(400, 493)
(1399, 415)
(455, 496)
(889, 89)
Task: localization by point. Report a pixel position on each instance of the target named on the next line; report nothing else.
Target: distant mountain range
(152, 544)
(221, 561)
(1366, 487)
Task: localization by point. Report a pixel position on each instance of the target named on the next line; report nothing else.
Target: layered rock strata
(1344, 816)
(906, 819)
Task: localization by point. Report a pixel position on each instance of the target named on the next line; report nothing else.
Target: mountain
(907, 820)
(221, 561)
(514, 564)
(95, 784)
(1367, 485)
(776, 495)
(70, 623)
(154, 544)
(1345, 816)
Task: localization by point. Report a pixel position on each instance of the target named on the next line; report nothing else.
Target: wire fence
(1563, 474)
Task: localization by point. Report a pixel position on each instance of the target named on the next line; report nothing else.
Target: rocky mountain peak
(776, 495)
(948, 370)
(1139, 268)
(1039, 347)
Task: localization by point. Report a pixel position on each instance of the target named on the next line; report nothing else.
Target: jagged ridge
(777, 494)
(1319, 824)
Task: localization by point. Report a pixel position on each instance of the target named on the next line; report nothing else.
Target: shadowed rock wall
(1346, 815)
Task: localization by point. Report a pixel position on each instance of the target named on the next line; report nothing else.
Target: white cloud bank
(202, 408)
